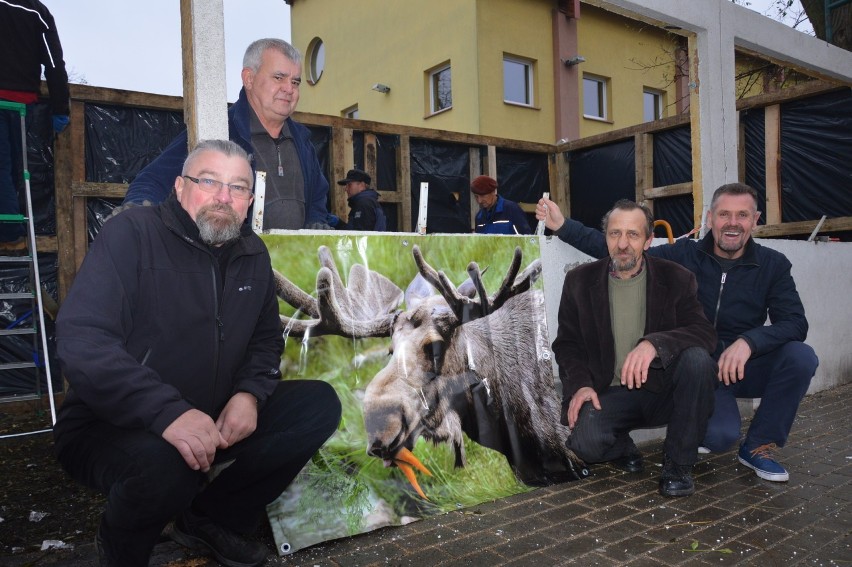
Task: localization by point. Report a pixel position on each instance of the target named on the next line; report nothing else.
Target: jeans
(147, 482)
(780, 379)
(10, 173)
(685, 405)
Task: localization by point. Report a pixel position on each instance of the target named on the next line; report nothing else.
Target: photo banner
(438, 349)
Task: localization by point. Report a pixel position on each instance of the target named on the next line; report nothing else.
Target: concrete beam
(204, 86)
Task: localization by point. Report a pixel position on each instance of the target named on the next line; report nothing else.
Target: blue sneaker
(761, 462)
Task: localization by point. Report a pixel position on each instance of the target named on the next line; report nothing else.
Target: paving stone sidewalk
(616, 518)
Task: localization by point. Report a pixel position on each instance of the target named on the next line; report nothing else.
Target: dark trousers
(685, 404)
(147, 482)
(780, 379)
(10, 172)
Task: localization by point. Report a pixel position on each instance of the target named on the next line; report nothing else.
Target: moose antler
(362, 308)
(465, 308)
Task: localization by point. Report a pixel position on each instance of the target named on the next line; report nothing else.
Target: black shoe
(676, 480)
(631, 463)
(227, 546)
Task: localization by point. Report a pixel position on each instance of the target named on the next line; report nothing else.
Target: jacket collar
(178, 221)
(749, 255)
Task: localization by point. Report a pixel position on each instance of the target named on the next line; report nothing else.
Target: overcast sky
(134, 45)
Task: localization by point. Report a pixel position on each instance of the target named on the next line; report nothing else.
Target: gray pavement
(616, 518)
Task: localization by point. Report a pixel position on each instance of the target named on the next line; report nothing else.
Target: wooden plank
(46, 244)
(644, 165)
(190, 109)
(491, 164)
(99, 190)
(624, 133)
(371, 155)
(559, 179)
(669, 190)
(64, 149)
(694, 132)
(772, 155)
(403, 183)
(101, 95)
(475, 170)
(415, 132)
(802, 227)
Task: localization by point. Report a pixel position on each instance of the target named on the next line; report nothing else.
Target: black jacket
(28, 40)
(584, 347)
(145, 334)
(365, 213)
(736, 302)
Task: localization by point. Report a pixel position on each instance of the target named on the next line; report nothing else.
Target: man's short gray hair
(224, 147)
(628, 205)
(254, 52)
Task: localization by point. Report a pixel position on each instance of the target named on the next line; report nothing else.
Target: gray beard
(215, 231)
(625, 266)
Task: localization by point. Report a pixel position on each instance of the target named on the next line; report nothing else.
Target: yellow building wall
(393, 43)
(524, 30)
(632, 56)
(396, 42)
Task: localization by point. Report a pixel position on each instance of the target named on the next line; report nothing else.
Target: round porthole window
(316, 60)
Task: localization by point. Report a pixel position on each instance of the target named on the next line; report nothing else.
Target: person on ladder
(28, 42)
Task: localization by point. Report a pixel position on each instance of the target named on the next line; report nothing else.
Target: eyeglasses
(212, 186)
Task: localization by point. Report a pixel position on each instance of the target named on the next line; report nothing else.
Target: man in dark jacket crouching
(171, 343)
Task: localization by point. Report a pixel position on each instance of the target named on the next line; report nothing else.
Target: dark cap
(355, 175)
(483, 185)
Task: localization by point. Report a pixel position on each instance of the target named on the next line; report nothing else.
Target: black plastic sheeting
(673, 164)
(446, 167)
(522, 177)
(39, 123)
(599, 177)
(816, 150)
(754, 126)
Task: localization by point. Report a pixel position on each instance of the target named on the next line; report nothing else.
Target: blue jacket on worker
(154, 183)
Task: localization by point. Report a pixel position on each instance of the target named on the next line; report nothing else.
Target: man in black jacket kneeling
(171, 343)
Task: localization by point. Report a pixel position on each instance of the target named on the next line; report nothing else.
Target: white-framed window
(351, 112)
(518, 81)
(595, 97)
(652, 104)
(316, 60)
(440, 89)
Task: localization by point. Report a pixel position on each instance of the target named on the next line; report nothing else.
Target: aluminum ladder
(37, 328)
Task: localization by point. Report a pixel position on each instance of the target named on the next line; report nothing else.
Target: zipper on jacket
(719, 299)
(220, 332)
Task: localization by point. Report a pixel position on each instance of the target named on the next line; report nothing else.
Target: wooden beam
(68, 145)
(118, 97)
(802, 227)
(474, 170)
(695, 131)
(772, 156)
(624, 133)
(491, 164)
(789, 94)
(99, 190)
(190, 109)
(371, 155)
(403, 183)
(644, 166)
(424, 133)
(669, 190)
